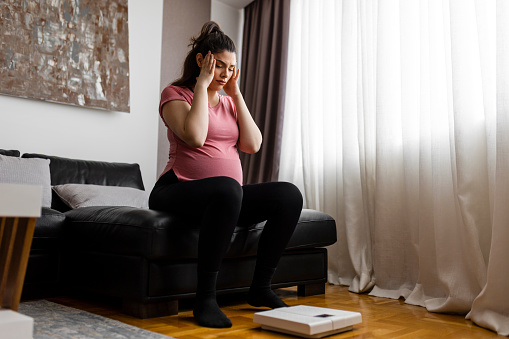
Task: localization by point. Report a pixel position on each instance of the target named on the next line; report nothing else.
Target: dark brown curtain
(264, 59)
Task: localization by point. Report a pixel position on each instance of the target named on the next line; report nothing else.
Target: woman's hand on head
(207, 67)
(232, 86)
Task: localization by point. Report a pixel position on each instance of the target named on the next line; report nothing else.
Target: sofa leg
(150, 310)
(310, 289)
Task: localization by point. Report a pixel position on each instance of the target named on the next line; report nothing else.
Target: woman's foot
(260, 293)
(208, 314)
(206, 310)
(264, 297)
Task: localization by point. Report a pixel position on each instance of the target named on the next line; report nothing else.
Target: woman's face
(225, 66)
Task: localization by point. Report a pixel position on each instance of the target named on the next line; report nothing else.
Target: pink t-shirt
(219, 155)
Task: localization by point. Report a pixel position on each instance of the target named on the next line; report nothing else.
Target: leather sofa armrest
(314, 229)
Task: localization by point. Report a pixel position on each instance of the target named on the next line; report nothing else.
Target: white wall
(33, 126)
(181, 21)
(231, 20)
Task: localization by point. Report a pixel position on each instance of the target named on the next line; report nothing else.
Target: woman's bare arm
(191, 122)
(250, 137)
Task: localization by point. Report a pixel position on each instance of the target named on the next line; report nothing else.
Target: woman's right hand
(207, 68)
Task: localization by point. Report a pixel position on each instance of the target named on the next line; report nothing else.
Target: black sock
(206, 310)
(260, 293)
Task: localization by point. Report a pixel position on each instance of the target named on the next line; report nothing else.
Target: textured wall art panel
(68, 51)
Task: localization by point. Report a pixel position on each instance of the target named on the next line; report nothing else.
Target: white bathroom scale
(307, 321)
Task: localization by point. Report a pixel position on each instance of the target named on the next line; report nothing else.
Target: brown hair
(211, 39)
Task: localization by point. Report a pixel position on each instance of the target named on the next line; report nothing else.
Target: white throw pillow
(27, 171)
(81, 195)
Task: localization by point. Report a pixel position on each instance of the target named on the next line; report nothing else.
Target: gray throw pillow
(23, 171)
(82, 195)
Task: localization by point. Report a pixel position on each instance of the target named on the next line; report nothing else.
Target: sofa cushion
(48, 228)
(78, 195)
(43, 273)
(14, 170)
(49, 224)
(161, 236)
(10, 153)
(314, 229)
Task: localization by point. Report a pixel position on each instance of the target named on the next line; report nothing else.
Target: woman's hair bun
(211, 27)
(208, 28)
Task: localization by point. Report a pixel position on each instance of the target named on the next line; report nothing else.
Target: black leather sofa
(148, 258)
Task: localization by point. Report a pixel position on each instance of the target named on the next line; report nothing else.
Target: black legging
(221, 203)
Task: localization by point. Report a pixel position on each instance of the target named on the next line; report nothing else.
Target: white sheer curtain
(397, 124)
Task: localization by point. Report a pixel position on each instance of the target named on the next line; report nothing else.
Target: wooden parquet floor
(381, 317)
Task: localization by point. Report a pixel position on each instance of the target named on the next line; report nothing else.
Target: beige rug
(53, 320)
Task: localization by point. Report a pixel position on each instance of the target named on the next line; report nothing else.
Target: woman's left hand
(232, 87)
